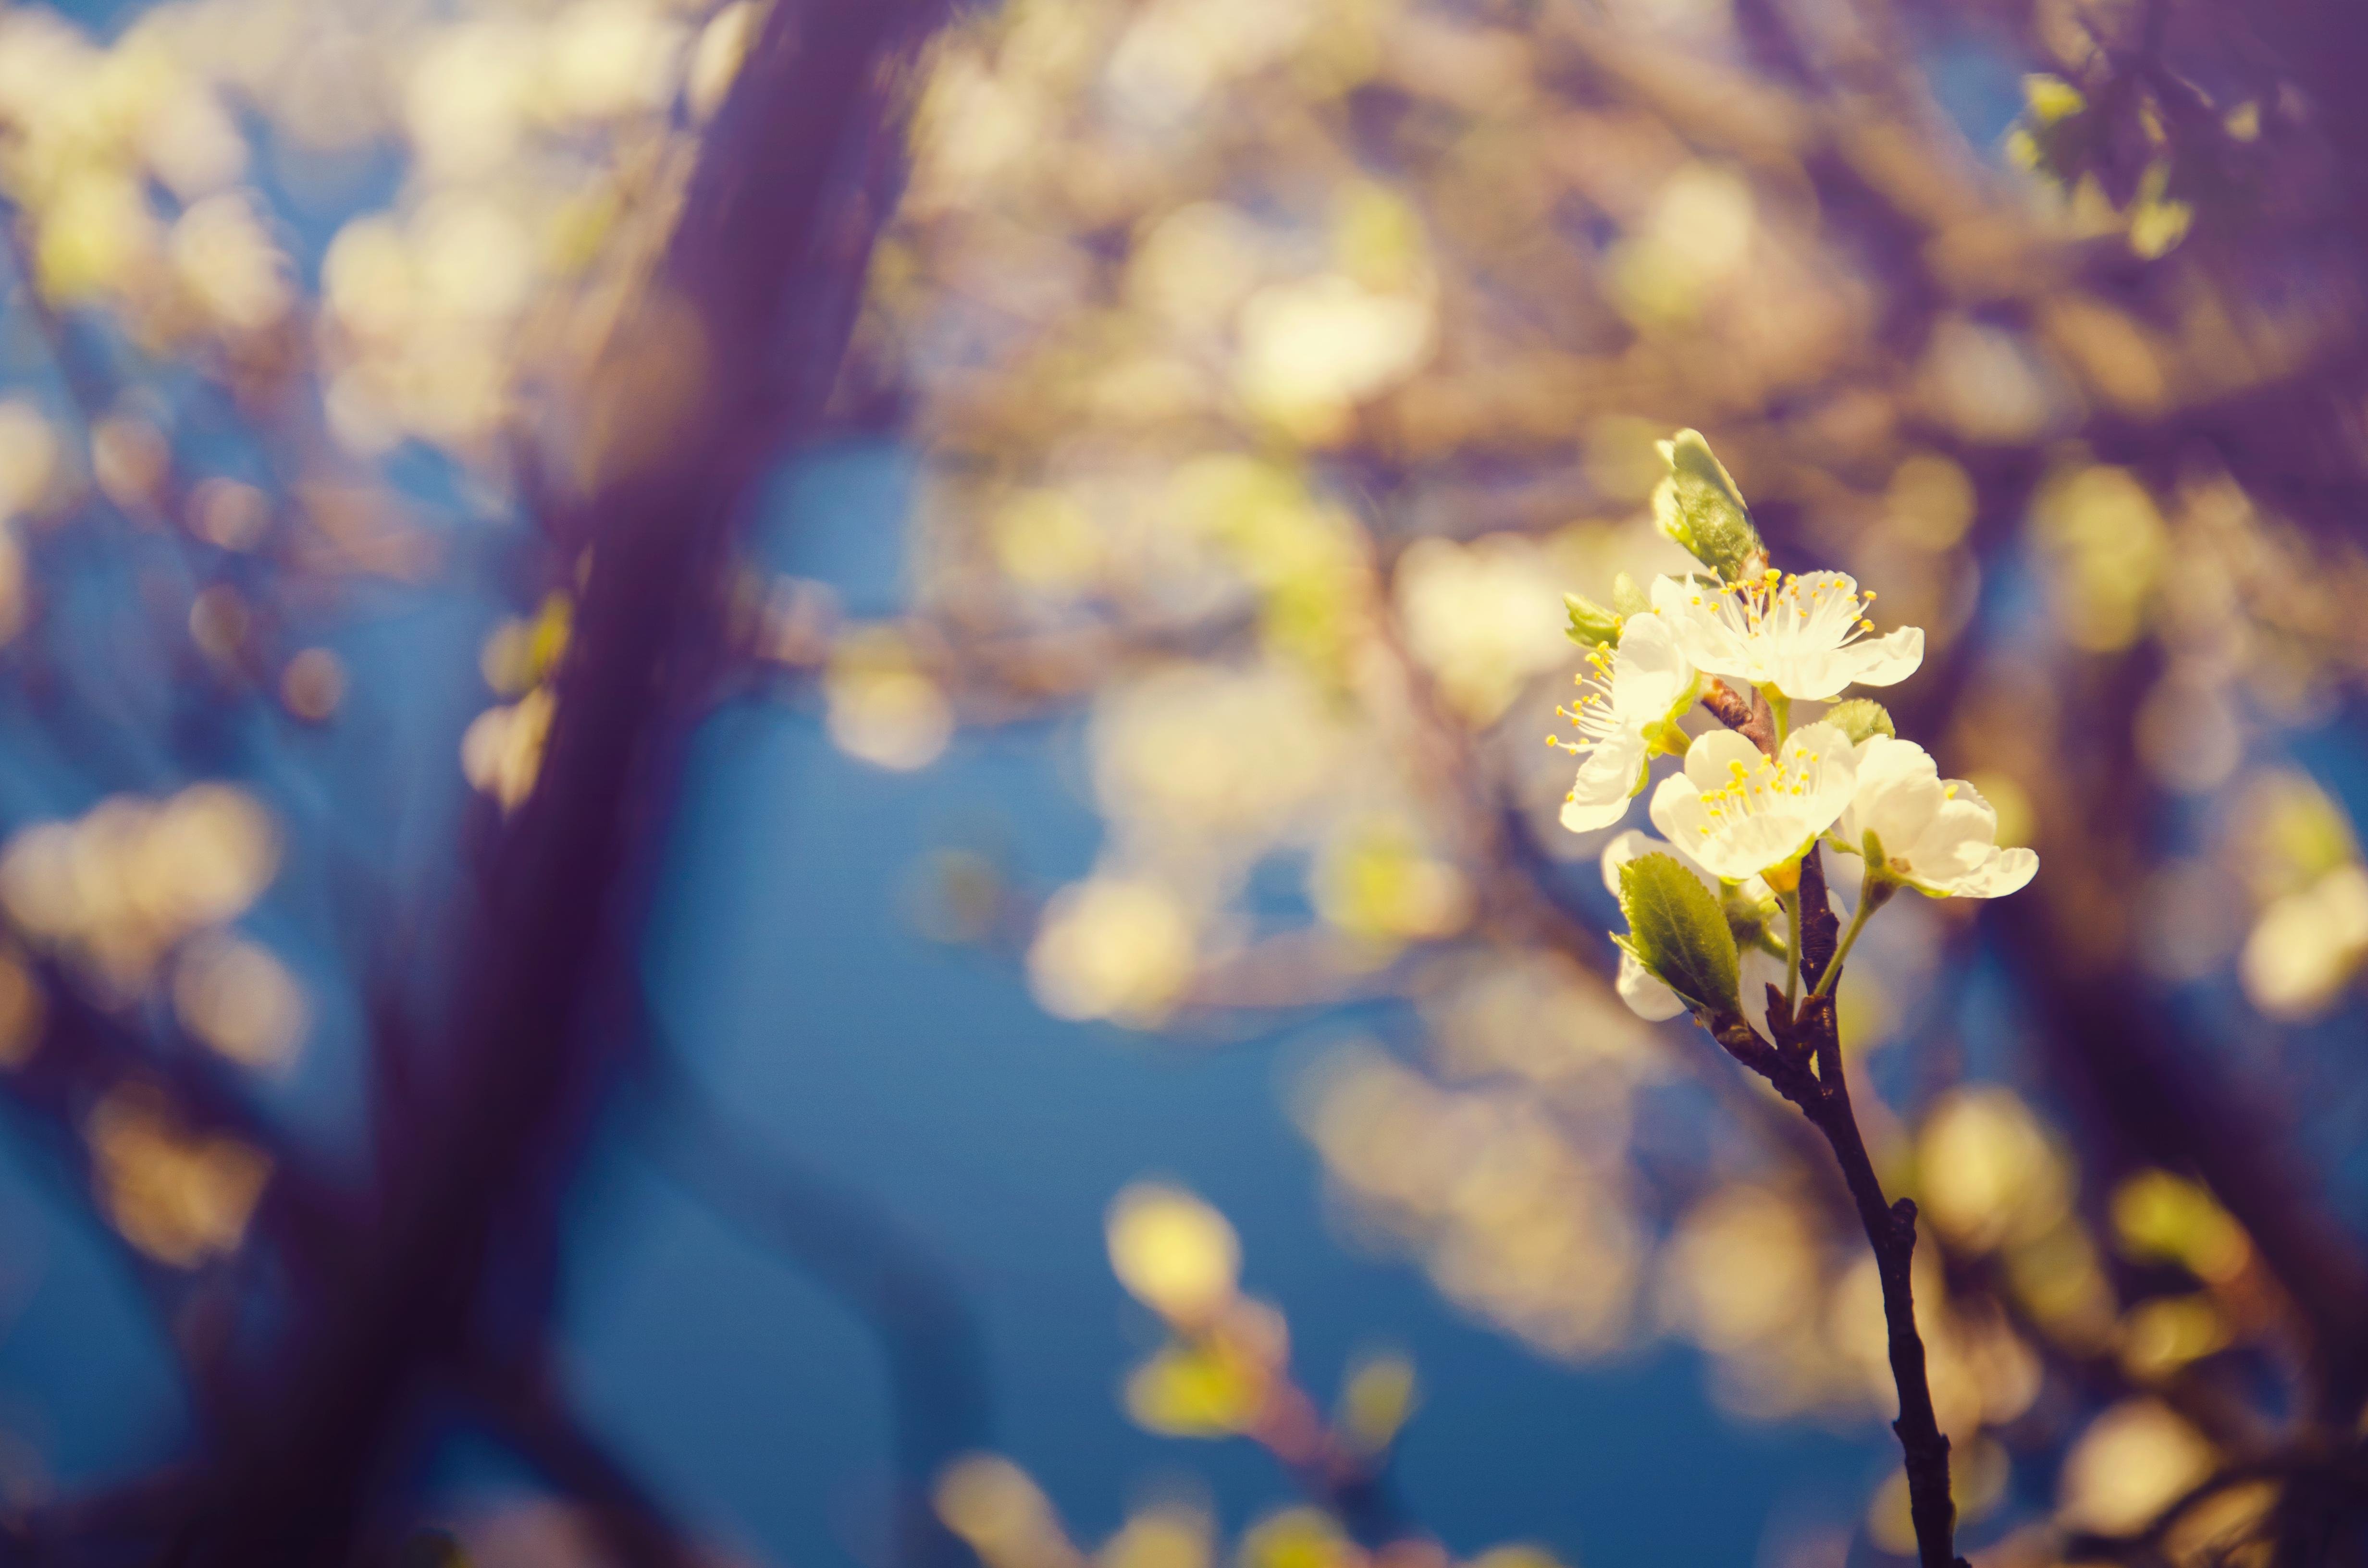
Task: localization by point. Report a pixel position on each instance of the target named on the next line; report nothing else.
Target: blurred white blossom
(2308, 945)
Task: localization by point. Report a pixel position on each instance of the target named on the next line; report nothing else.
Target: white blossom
(2308, 945)
(1936, 835)
(1646, 996)
(1808, 636)
(1739, 812)
(1626, 707)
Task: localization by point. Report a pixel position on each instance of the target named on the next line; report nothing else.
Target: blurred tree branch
(733, 347)
(859, 1251)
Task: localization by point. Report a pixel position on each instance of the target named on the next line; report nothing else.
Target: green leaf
(1676, 929)
(1859, 718)
(1627, 598)
(1699, 506)
(1591, 625)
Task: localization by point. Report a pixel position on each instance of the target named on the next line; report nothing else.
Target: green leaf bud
(1859, 718)
(1699, 506)
(1627, 598)
(1591, 625)
(1881, 882)
(1753, 923)
(1676, 929)
(1670, 517)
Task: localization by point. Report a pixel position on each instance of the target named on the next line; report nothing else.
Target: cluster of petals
(1633, 694)
(1938, 835)
(1644, 991)
(1806, 637)
(1739, 812)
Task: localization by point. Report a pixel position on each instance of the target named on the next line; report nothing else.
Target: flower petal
(1649, 670)
(1823, 755)
(1707, 642)
(1746, 847)
(1882, 661)
(1645, 996)
(1676, 809)
(1961, 835)
(1623, 848)
(1710, 759)
(1758, 970)
(1897, 795)
(1635, 842)
(2006, 872)
(1608, 779)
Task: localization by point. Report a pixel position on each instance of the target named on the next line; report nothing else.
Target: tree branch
(733, 349)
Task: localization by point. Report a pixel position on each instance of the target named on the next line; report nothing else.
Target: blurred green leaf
(1375, 1404)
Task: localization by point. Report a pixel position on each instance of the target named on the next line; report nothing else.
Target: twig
(859, 1251)
(524, 1398)
(1804, 1064)
(1752, 718)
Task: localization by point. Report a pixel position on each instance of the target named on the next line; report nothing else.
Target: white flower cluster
(1738, 818)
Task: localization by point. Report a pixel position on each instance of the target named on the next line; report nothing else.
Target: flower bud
(1880, 883)
(1859, 718)
(1591, 625)
(1752, 921)
(1677, 930)
(1699, 507)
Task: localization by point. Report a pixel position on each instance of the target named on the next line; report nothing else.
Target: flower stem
(1792, 949)
(1866, 906)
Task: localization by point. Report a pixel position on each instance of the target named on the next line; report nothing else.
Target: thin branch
(525, 1400)
(1804, 1064)
(861, 1254)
